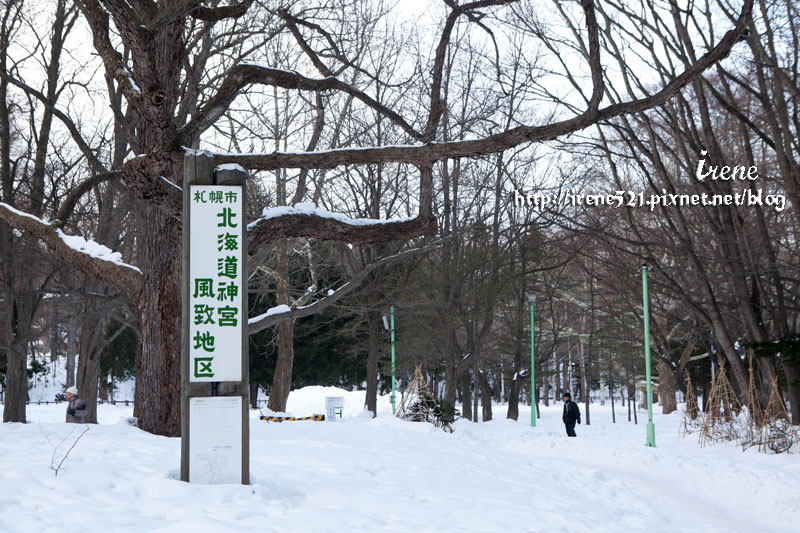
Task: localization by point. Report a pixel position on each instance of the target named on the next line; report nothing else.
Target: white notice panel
(216, 292)
(215, 437)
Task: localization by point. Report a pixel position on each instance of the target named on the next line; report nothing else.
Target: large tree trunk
(282, 381)
(72, 346)
(792, 391)
(158, 370)
(102, 392)
(20, 317)
(666, 388)
(254, 395)
(513, 399)
(476, 384)
(89, 347)
(513, 395)
(16, 394)
(486, 398)
(373, 323)
(450, 377)
(466, 395)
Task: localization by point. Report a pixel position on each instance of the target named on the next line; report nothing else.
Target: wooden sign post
(214, 358)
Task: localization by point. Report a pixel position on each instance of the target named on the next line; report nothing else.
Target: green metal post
(391, 327)
(651, 429)
(533, 377)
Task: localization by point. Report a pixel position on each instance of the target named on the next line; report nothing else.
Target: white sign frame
(215, 345)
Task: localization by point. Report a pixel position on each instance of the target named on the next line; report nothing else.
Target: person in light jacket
(76, 408)
(571, 415)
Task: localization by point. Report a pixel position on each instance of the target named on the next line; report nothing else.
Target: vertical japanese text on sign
(215, 287)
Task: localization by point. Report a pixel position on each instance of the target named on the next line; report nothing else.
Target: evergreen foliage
(118, 358)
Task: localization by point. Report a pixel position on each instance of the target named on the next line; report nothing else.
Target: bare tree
(154, 55)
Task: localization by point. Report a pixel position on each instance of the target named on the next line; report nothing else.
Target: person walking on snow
(76, 408)
(571, 414)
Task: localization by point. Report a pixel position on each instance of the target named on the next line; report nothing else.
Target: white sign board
(215, 437)
(333, 407)
(216, 290)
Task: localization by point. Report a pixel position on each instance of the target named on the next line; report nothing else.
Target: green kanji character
(230, 197)
(204, 341)
(215, 197)
(202, 315)
(228, 242)
(227, 216)
(227, 291)
(227, 267)
(227, 316)
(200, 196)
(203, 287)
(202, 367)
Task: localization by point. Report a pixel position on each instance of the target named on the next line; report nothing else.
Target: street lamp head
(386, 323)
(531, 297)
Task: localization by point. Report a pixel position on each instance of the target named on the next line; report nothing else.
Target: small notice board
(215, 455)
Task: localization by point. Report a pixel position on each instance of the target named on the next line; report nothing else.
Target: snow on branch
(305, 220)
(311, 210)
(85, 255)
(280, 313)
(94, 249)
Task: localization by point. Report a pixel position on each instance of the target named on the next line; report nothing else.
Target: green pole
(533, 375)
(651, 429)
(391, 327)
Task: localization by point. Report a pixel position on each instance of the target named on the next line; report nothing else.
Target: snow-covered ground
(383, 474)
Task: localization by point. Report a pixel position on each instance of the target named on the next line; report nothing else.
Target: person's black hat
(566, 395)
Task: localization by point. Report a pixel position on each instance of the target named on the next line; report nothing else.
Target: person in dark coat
(571, 415)
(76, 408)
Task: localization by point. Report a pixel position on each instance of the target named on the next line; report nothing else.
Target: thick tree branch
(241, 76)
(436, 107)
(215, 14)
(425, 153)
(292, 23)
(594, 57)
(272, 318)
(316, 226)
(98, 17)
(195, 9)
(125, 277)
(77, 193)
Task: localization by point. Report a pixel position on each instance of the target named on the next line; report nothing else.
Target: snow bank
(311, 400)
(383, 474)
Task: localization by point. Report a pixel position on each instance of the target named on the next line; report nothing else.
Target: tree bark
(486, 398)
(792, 391)
(282, 382)
(89, 350)
(158, 374)
(666, 388)
(373, 323)
(466, 395)
(20, 317)
(513, 399)
(72, 345)
(254, 395)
